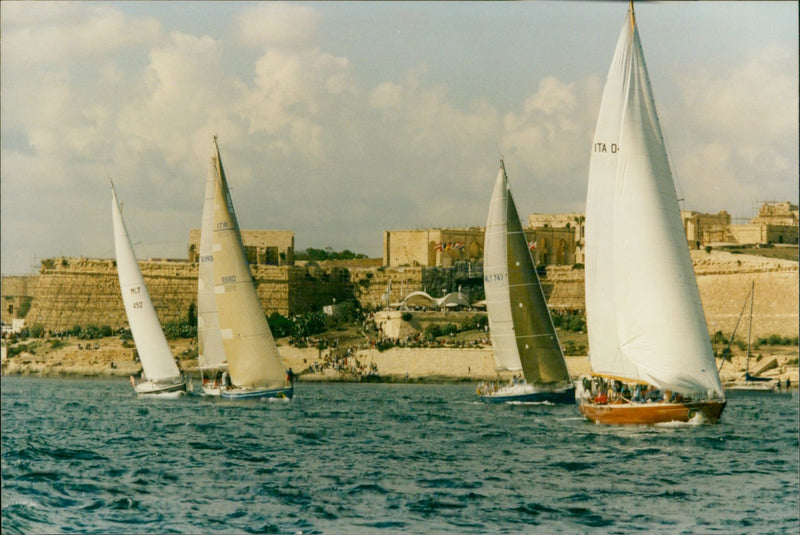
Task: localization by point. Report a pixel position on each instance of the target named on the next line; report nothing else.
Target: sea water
(88, 456)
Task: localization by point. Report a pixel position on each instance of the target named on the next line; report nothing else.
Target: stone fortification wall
(724, 280)
(73, 291)
(80, 291)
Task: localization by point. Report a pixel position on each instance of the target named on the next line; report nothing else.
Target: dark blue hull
(561, 397)
(275, 394)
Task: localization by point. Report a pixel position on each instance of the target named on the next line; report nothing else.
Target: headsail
(210, 350)
(644, 313)
(154, 352)
(522, 332)
(253, 359)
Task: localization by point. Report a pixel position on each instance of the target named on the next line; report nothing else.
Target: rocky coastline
(110, 357)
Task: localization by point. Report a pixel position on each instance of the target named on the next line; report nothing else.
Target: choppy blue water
(87, 456)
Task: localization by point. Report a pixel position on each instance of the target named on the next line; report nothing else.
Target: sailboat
(647, 331)
(211, 359)
(521, 329)
(255, 369)
(751, 383)
(160, 374)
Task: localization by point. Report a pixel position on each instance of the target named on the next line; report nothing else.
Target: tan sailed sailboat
(522, 332)
(650, 351)
(211, 359)
(255, 369)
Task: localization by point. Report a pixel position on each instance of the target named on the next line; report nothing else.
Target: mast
(750, 326)
(633, 15)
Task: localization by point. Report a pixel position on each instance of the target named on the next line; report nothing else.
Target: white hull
(160, 390)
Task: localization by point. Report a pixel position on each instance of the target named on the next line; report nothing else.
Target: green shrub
(308, 324)
(384, 344)
(449, 329)
(280, 326)
(433, 331)
(36, 330)
(718, 338)
(476, 322)
(407, 316)
(576, 323)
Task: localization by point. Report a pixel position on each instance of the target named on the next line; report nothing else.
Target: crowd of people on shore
(343, 362)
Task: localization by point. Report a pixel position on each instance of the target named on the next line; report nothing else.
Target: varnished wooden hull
(651, 413)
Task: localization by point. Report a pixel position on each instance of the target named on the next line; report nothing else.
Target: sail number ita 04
(613, 148)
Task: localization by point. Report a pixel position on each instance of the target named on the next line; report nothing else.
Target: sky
(339, 120)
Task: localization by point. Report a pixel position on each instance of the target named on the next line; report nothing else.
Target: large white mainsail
(522, 332)
(154, 352)
(643, 307)
(210, 350)
(253, 359)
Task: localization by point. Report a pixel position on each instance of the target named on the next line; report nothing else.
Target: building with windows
(262, 247)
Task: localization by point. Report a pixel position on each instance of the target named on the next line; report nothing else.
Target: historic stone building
(702, 229)
(437, 247)
(559, 238)
(776, 223)
(264, 247)
(554, 239)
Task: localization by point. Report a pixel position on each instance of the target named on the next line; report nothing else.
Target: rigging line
(727, 349)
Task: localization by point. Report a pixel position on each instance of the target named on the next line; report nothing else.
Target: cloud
(53, 32)
(278, 24)
(549, 139)
(737, 133)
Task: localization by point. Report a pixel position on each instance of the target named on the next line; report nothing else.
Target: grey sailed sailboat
(522, 332)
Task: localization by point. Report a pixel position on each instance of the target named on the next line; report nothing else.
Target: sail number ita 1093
(613, 148)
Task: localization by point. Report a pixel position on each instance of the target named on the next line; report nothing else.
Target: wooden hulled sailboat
(522, 332)
(160, 374)
(647, 330)
(211, 359)
(255, 369)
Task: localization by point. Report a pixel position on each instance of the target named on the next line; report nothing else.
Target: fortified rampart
(79, 291)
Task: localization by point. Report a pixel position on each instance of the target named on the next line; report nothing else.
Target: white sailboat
(750, 383)
(255, 369)
(647, 330)
(160, 374)
(211, 359)
(521, 329)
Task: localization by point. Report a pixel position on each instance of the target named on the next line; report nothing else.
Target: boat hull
(561, 397)
(276, 394)
(651, 413)
(148, 389)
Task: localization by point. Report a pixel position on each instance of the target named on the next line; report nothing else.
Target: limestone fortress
(81, 291)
